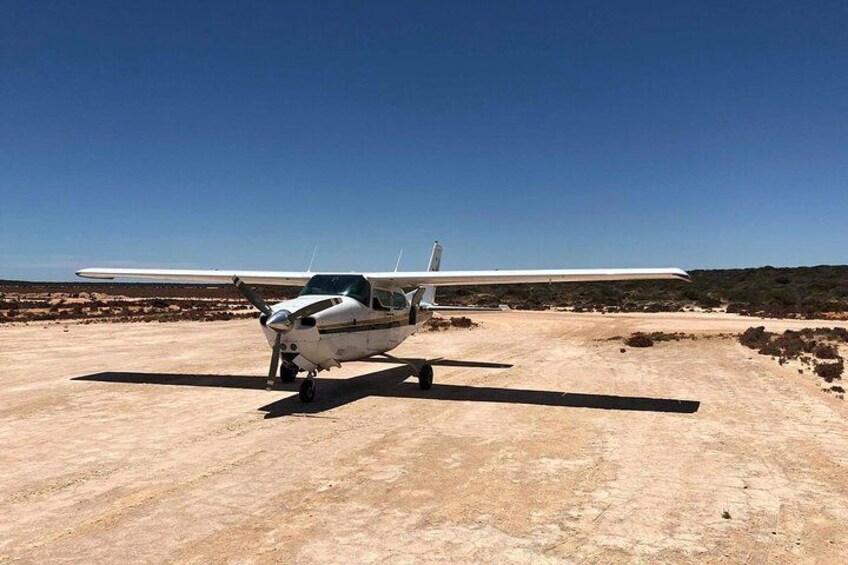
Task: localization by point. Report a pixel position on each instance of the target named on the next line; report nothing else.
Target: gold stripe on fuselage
(385, 321)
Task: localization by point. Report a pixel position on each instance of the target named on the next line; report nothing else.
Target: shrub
(462, 322)
(791, 343)
(709, 302)
(639, 340)
(435, 324)
(781, 296)
(830, 371)
(665, 336)
(755, 338)
(825, 351)
(770, 349)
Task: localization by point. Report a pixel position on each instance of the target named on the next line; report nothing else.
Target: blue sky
(520, 134)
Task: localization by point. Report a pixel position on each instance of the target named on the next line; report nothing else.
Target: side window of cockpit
(382, 299)
(398, 301)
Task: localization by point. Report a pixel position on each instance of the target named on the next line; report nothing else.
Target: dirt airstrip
(540, 441)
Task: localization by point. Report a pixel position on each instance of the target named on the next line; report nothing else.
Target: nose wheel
(287, 375)
(307, 388)
(425, 377)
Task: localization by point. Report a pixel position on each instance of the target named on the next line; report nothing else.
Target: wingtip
(90, 273)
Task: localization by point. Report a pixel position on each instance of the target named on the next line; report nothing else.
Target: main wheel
(425, 377)
(307, 390)
(287, 375)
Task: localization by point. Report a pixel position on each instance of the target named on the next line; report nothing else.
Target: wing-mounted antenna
(397, 265)
(314, 252)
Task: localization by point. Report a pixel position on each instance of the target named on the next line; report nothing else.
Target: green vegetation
(642, 339)
(802, 292)
(807, 346)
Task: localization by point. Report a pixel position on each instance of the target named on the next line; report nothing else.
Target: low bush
(825, 351)
(755, 338)
(830, 371)
(639, 340)
(462, 322)
(791, 343)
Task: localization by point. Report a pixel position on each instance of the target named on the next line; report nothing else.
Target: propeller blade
(275, 362)
(252, 296)
(314, 308)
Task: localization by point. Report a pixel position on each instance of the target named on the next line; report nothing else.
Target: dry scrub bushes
(809, 346)
(438, 324)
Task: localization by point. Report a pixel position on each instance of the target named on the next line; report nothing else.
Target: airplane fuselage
(348, 331)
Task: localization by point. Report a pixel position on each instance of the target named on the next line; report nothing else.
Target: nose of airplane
(280, 321)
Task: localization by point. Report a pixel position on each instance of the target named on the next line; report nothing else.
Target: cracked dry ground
(158, 442)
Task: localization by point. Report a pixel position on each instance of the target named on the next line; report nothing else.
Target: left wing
(457, 278)
(282, 278)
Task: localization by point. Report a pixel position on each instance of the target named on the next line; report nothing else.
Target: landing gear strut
(307, 388)
(425, 377)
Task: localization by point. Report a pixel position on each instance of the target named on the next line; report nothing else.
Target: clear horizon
(531, 135)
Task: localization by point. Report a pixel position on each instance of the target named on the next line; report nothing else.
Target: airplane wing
(407, 279)
(458, 278)
(281, 278)
(440, 308)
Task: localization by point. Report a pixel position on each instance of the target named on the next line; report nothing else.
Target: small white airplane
(342, 317)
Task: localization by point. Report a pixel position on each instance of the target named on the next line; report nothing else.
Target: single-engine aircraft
(341, 317)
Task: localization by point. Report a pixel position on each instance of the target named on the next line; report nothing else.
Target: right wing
(523, 276)
(440, 308)
(282, 278)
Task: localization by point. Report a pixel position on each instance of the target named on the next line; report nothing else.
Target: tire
(307, 391)
(425, 377)
(287, 375)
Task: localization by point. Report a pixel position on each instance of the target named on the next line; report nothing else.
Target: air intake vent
(307, 322)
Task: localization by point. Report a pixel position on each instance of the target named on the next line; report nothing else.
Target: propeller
(252, 296)
(281, 321)
(275, 361)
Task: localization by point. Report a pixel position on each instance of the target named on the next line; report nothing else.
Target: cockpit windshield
(355, 286)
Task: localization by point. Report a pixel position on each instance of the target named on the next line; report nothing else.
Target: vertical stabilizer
(434, 265)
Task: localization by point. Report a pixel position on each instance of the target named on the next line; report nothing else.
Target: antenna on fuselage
(398, 261)
(314, 252)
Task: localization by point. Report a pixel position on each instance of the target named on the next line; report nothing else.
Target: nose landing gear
(307, 388)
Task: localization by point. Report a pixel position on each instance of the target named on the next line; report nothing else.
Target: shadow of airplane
(333, 393)
(418, 361)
